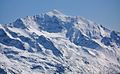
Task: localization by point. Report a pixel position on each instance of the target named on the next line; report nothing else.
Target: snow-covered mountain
(54, 43)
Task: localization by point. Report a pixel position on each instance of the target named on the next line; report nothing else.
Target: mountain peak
(54, 12)
(54, 43)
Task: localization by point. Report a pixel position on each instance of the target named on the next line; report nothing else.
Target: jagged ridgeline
(54, 43)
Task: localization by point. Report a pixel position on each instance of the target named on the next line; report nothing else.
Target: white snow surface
(54, 43)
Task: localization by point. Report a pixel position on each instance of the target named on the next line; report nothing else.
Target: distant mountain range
(54, 43)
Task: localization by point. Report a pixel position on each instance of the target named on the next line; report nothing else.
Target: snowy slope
(52, 43)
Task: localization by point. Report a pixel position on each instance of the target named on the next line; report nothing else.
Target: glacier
(55, 43)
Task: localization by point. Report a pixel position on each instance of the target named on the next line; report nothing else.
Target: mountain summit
(54, 43)
(55, 12)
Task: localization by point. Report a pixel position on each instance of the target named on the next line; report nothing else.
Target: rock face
(53, 43)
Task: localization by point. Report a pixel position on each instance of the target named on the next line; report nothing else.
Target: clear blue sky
(105, 12)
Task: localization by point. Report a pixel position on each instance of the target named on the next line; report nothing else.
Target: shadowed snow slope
(52, 43)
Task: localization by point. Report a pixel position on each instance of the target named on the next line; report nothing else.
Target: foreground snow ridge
(54, 43)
